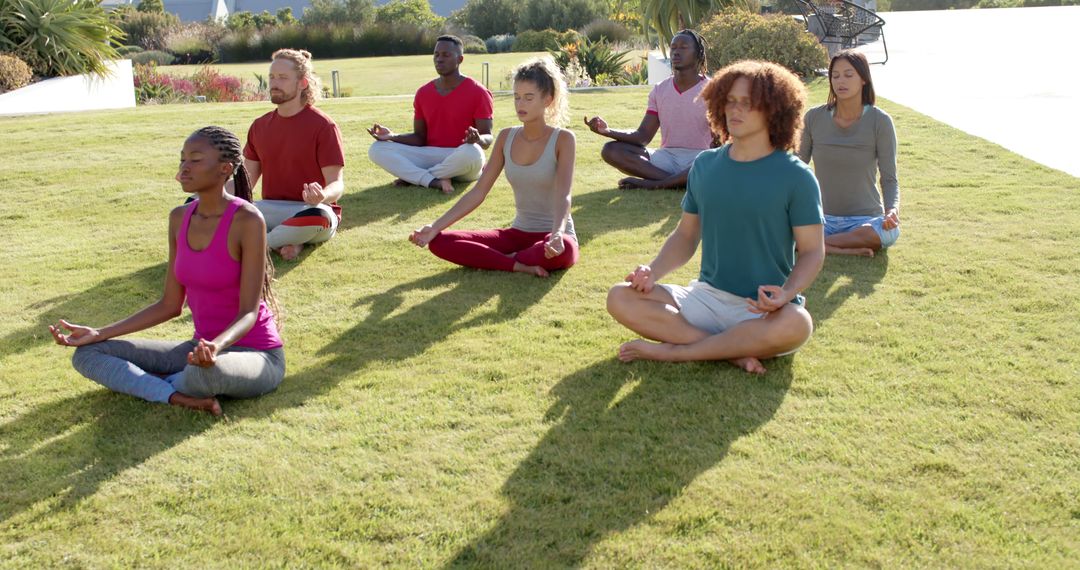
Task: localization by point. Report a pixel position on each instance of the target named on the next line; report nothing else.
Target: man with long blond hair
(296, 149)
(752, 205)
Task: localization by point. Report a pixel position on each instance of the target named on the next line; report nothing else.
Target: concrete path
(1008, 75)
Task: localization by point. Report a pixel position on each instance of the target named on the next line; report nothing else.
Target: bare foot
(645, 350)
(749, 364)
(442, 184)
(863, 251)
(291, 251)
(402, 182)
(534, 269)
(632, 182)
(210, 405)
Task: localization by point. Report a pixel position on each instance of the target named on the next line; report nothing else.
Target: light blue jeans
(154, 369)
(844, 224)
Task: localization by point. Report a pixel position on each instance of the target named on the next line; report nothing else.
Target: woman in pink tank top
(218, 264)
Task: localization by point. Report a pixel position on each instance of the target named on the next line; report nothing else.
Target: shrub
(327, 41)
(194, 43)
(999, 4)
(339, 12)
(533, 40)
(733, 34)
(14, 73)
(415, 12)
(907, 5)
(148, 29)
(58, 37)
(499, 44)
(560, 14)
(152, 86)
(487, 18)
(128, 50)
(613, 31)
(599, 60)
(154, 57)
(474, 44)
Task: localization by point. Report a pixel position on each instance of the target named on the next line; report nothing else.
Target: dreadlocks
(230, 151)
(699, 47)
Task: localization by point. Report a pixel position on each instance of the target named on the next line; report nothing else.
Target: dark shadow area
(604, 211)
(617, 454)
(82, 441)
(861, 275)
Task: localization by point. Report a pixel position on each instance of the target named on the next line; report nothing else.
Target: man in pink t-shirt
(452, 119)
(677, 111)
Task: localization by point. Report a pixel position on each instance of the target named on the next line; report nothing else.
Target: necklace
(207, 216)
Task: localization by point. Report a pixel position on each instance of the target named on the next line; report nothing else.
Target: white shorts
(709, 309)
(712, 310)
(673, 160)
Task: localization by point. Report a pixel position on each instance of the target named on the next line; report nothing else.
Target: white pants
(292, 223)
(421, 164)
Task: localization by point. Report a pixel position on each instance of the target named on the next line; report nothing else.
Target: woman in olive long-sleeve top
(852, 142)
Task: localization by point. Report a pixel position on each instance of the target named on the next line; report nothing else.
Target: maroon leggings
(490, 249)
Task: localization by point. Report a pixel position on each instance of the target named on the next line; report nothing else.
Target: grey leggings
(154, 369)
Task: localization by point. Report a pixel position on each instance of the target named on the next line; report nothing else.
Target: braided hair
(699, 47)
(231, 151)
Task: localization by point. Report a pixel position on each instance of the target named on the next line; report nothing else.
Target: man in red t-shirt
(451, 128)
(296, 149)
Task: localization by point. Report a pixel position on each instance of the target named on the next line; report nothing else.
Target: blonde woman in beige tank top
(539, 160)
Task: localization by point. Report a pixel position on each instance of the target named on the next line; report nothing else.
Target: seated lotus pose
(752, 205)
(451, 128)
(850, 141)
(539, 161)
(218, 264)
(676, 109)
(297, 151)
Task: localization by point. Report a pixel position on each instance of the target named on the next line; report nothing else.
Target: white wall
(75, 93)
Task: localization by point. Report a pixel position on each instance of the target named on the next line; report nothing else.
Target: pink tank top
(212, 280)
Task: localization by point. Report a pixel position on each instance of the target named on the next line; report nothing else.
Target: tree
(560, 14)
(265, 20)
(156, 6)
(328, 12)
(240, 20)
(486, 18)
(661, 19)
(285, 16)
(415, 12)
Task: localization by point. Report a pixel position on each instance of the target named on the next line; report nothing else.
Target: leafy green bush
(128, 50)
(339, 12)
(195, 43)
(543, 40)
(59, 37)
(154, 57)
(499, 44)
(147, 29)
(474, 44)
(560, 14)
(734, 34)
(613, 31)
(487, 18)
(415, 12)
(999, 4)
(14, 73)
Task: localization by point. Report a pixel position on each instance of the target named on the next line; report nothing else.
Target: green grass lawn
(441, 417)
(382, 75)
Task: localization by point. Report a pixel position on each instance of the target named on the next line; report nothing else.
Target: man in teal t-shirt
(752, 205)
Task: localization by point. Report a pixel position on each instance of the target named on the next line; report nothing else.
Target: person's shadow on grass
(604, 211)
(842, 278)
(387, 201)
(59, 453)
(626, 440)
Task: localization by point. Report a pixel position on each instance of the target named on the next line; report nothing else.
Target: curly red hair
(773, 90)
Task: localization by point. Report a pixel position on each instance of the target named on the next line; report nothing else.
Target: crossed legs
(655, 316)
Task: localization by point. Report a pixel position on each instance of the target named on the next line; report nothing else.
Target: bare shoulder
(247, 214)
(566, 136)
(176, 215)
